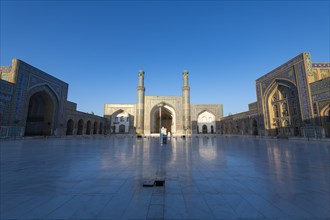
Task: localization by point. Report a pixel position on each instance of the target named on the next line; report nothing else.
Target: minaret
(186, 119)
(140, 104)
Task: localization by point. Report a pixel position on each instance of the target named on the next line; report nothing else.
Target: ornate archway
(40, 116)
(325, 118)
(42, 111)
(206, 122)
(162, 115)
(120, 122)
(282, 112)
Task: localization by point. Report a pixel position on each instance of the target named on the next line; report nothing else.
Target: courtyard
(205, 178)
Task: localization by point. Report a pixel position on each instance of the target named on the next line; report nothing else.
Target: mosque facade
(293, 100)
(34, 103)
(175, 114)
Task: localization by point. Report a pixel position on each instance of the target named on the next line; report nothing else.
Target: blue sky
(98, 47)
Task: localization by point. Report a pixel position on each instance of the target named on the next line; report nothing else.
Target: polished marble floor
(205, 178)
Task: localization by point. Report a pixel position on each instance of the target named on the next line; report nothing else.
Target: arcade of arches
(242, 126)
(291, 100)
(84, 128)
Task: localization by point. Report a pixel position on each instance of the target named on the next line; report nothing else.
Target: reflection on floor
(206, 178)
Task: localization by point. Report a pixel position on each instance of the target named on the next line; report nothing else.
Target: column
(186, 118)
(140, 104)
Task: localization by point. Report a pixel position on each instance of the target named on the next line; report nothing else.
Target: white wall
(208, 119)
(120, 119)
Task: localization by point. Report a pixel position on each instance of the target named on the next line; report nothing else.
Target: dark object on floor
(159, 182)
(148, 183)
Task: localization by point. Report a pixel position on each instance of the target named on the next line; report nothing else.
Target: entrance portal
(40, 115)
(162, 116)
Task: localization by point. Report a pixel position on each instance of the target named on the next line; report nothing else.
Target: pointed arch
(41, 111)
(80, 130)
(120, 121)
(206, 121)
(69, 127)
(95, 127)
(88, 127)
(101, 128)
(281, 104)
(325, 118)
(168, 119)
(254, 126)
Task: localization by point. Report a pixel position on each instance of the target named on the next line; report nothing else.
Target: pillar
(140, 104)
(186, 118)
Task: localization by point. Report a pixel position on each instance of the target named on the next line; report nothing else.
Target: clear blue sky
(99, 46)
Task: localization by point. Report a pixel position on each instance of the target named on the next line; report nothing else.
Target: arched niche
(42, 111)
(162, 115)
(206, 122)
(69, 127)
(282, 109)
(120, 122)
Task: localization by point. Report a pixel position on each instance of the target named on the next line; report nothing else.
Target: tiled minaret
(140, 104)
(186, 118)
